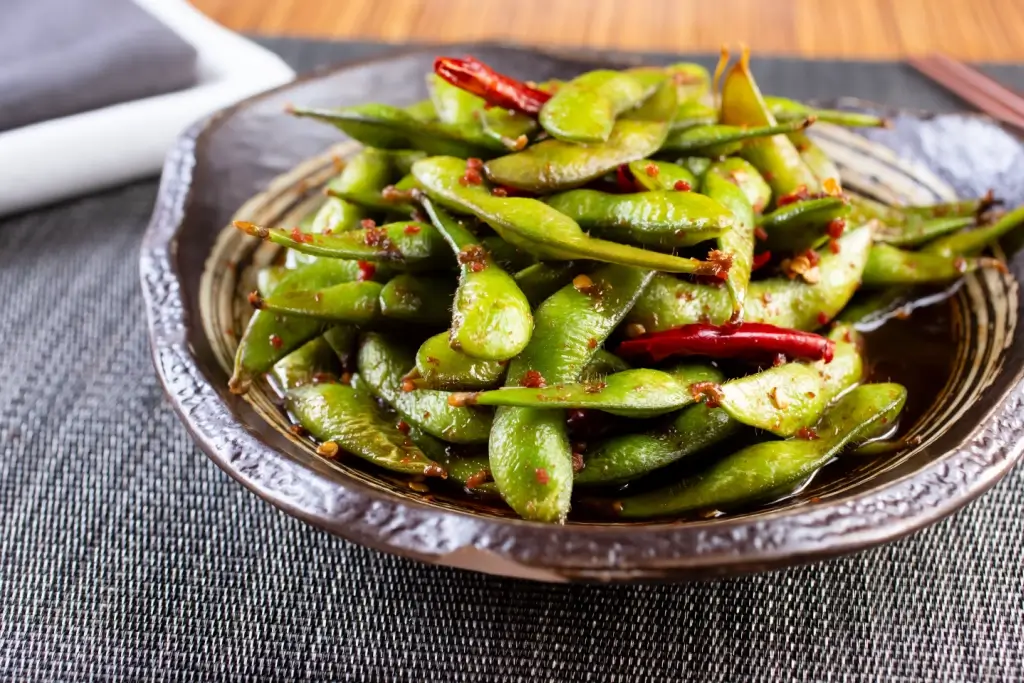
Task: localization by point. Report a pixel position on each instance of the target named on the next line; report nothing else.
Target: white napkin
(66, 157)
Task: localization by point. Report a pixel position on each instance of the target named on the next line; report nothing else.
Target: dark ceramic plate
(193, 269)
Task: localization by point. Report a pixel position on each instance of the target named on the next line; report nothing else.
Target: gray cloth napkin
(62, 57)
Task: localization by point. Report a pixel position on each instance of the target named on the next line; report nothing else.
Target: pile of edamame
(546, 291)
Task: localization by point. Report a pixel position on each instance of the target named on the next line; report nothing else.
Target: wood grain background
(981, 30)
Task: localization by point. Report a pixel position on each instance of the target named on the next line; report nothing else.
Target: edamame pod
(626, 457)
(802, 224)
(407, 245)
(720, 140)
(269, 336)
(639, 393)
(584, 110)
(459, 107)
(781, 400)
(971, 242)
(439, 366)
(755, 472)
(348, 302)
(662, 219)
(738, 242)
(785, 109)
(368, 171)
(801, 305)
(418, 299)
(535, 227)
(652, 175)
(553, 165)
(670, 302)
(887, 266)
(388, 127)
(307, 364)
(491, 317)
(691, 114)
(916, 231)
(340, 415)
(740, 173)
(383, 363)
(529, 449)
(775, 157)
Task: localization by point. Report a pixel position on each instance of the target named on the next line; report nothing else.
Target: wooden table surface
(979, 30)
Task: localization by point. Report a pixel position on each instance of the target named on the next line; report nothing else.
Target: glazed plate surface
(253, 162)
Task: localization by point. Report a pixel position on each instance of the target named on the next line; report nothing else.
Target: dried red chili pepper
(497, 89)
(746, 340)
(760, 260)
(624, 179)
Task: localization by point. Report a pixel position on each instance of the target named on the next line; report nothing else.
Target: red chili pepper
(745, 340)
(760, 260)
(624, 179)
(497, 89)
(366, 270)
(508, 191)
(798, 195)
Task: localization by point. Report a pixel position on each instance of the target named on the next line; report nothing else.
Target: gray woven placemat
(125, 554)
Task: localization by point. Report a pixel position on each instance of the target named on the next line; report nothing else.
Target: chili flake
(533, 380)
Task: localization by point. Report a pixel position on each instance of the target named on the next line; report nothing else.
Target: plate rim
(728, 545)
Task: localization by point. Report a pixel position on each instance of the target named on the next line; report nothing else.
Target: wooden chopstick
(974, 87)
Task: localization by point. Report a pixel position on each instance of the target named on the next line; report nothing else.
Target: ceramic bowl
(251, 161)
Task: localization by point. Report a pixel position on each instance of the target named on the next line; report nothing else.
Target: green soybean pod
(663, 219)
(406, 245)
(669, 302)
(740, 173)
(652, 175)
(971, 242)
(439, 366)
(584, 110)
(625, 457)
(775, 157)
(785, 109)
(781, 400)
(917, 231)
(368, 171)
(535, 227)
(639, 393)
(383, 364)
(736, 243)
(541, 280)
(529, 449)
(348, 302)
(801, 225)
(339, 414)
(491, 317)
(422, 299)
(388, 127)
(554, 165)
(303, 366)
(889, 266)
(756, 472)
(719, 140)
(269, 336)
